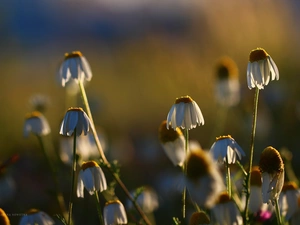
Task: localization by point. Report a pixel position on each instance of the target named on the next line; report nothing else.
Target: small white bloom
(185, 113)
(288, 199)
(261, 69)
(75, 118)
(226, 146)
(37, 124)
(272, 169)
(114, 213)
(34, 217)
(74, 66)
(255, 198)
(173, 143)
(92, 178)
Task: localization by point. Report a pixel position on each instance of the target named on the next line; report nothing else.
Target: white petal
(180, 109)
(80, 192)
(170, 117)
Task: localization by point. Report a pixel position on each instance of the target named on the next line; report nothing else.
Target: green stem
(98, 207)
(228, 179)
(59, 195)
(251, 154)
(105, 161)
(277, 211)
(73, 178)
(186, 136)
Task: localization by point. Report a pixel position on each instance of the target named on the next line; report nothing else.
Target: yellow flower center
(34, 114)
(4, 218)
(184, 99)
(223, 137)
(255, 177)
(166, 135)
(89, 164)
(270, 161)
(32, 211)
(223, 198)
(112, 202)
(226, 68)
(289, 186)
(78, 109)
(198, 165)
(258, 54)
(74, 54)
(199, 218)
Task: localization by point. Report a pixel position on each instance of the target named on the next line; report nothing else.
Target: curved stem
(186, 136)
(277, 211)
(248, 177)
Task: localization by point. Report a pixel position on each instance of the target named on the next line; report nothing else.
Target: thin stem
(186, 136)
(248, 177)
(59, 195)
(73, 179)
(98, 207)
(277, 212)
(228, 179)
(105, 161)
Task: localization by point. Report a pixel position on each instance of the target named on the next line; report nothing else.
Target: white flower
(92, 178)
(255, 198)
(227, 84)
(225, 212)
(203, 179)
(226, 147)
(288, 199)
(36, 217)
(185, 113)
(173, 143)
(261, 69)
(272, 169)
(37, 124)
(114, 213)
(75, 118)
(74, 66)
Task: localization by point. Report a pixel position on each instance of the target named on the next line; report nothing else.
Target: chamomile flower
(226, 147)
(288, 199)
(203, 179)
(75, 119)
(37, 124)
(173, 143)
(227, 89)
(92, 178)
(4, 220)
(261, 69)
(35, 216)
(272, 170)
(114, 213)
(255, 199)
(74, 66)
(185, 113)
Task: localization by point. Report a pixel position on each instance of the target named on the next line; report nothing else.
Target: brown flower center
(198, 165)
(258, 54)
(270, 161)
(199, 218)
(74, 54)
(184, 99)
(166, 135)
(89, 164)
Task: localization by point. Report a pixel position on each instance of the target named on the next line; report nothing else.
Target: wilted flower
(225, 212)
(75, 119)
(35, 216)
(203, 179)
(92, 178)
(261, 69)
(226, 147)
(114, 213)
(199, 218)
(146, 198)
(74, 66)
(185, 113)
(4, 220)
(227, 83)
(37, 124)
(288, 199)
(272, 169)
(173, 143)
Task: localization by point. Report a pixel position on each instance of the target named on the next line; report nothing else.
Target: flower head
(288, 199)
(199, 218)
(74, 66)
(272, 170)
(261, 69)
(114, 213)
(226, 147)
(173, 143)
(185, 113)
(203, 179)
(37, 124)
(4, 220)
(227, 83)
(92, 178)
(75, 119)
(35, 216)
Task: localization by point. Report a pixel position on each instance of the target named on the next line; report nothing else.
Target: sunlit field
(142, 58)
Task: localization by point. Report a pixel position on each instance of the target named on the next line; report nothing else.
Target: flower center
(270, 161)
(74, 54)
(226, 68)
(197, 165)
(34, 114)
(258, 54)
(170, 135)
(112, 202)
(289, 186)
(223, 137)
(184, 99)
(78, 109)
(32, 211)
(89, 164)
(223, 198)
(255, 177)
(199, 218)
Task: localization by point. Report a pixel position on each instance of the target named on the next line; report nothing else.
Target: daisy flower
(37, 124)
(288, 199)
(35, 216)
(114, 213)
(261, 69)
(185, 113)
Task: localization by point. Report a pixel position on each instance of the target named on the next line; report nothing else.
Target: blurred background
(143, 55)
